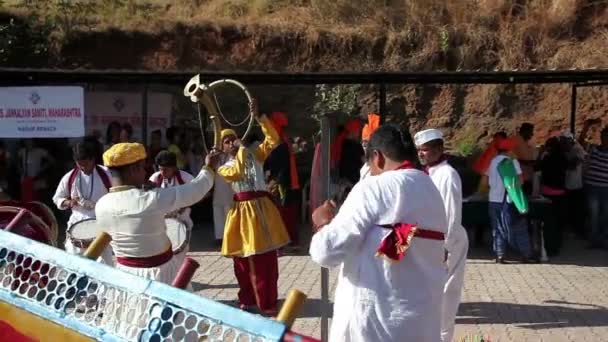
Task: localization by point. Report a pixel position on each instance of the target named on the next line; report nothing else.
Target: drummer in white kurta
(384, 294)
(134, 217)
(431, 153)
(168, 175)
(80, 189)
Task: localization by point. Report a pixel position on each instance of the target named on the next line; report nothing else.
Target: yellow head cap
(124, 154)
(227, 132)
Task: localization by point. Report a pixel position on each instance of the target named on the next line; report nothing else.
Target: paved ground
(564, 300)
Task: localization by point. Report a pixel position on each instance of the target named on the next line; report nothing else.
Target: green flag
(510, 179)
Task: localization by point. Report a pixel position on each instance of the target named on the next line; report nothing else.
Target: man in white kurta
(134, 217)
(168, 175)
(380, 299)
(80, 189)
(222, 192)
(431, 153)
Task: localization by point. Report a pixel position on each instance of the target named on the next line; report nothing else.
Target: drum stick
(98, 245)
(185, 273)
(16, 220)
(291, 307)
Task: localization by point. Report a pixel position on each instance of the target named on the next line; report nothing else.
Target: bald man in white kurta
(378, 299)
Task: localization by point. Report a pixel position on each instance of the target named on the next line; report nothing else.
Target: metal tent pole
(573, 110)
(382, 103)
(144, 116)
(326, 186)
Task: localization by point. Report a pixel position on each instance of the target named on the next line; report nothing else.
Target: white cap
(567, 134)
(427, 135)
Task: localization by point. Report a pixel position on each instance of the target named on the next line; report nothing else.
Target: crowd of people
(397, 235)
(571, 173)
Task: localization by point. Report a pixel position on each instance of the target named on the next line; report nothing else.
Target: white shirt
(135, 218)
(497, 188)
(378, 299)
(223, 193)
(364, 172)
(184, 215)
(166, 183)
(32, 166)
(448, 182)
(85, 187)
(574, 177)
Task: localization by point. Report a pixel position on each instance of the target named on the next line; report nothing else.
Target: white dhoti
(220, 211)
(105, 257)
(452, 291)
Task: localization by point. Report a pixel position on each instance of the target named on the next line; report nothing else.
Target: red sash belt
(249, 195)
(398, 241)
(146, 262)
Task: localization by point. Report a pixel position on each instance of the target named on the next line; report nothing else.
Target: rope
(223, 117)
(200, 125)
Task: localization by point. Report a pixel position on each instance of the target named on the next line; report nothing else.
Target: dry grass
(422, 34)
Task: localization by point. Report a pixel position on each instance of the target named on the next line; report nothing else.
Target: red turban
(279, 120)
(351, 126)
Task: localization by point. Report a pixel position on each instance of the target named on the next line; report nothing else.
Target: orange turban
(483, 162)
(506, 144)
(373, 121)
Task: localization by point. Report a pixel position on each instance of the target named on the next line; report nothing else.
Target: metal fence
(110, 305)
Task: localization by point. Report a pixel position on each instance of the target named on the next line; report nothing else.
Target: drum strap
(102, 174)
(178, 175)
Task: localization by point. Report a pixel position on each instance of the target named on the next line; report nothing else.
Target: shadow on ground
(196, 286)
(555, 314)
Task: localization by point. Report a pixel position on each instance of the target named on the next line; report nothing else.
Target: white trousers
(220, 211)
(452, 291)
(106, 255)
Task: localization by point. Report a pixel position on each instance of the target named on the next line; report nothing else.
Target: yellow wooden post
(291, 308)
(98, 245)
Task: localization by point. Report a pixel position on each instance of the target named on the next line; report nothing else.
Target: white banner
(41, 112)
(126, 107)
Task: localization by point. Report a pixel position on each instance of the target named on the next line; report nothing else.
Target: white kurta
(222, 201)
(449, 184)
(184, 215)
(364, 172)
(378, 299)
(89, 188)
(135, 220)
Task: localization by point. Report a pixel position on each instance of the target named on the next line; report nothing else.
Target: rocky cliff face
(467, 113)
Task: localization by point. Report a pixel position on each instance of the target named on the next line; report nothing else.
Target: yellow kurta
(253, 226)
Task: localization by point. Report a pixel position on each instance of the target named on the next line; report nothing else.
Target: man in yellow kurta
(254, 229)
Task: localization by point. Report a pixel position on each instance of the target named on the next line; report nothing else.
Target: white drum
(81, 234)
(178, 234)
